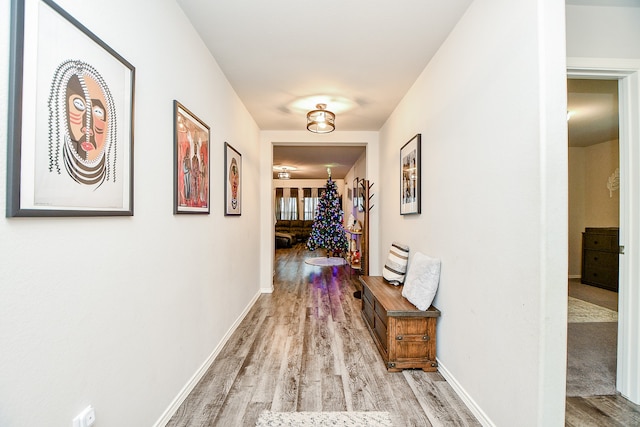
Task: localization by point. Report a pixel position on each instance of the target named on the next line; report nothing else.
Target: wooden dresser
(404, 335)
(600, 252)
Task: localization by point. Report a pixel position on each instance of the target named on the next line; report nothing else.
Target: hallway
(305, 348)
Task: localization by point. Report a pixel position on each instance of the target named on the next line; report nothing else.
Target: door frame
(627, 72)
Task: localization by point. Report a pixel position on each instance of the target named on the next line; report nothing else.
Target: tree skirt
(322, 419)
(324, 261)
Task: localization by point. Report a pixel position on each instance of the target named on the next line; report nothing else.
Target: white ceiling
(593, 105)
(359, 57)
(357, 54)
(312, 162)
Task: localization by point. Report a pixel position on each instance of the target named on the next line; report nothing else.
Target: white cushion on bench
(421, 283)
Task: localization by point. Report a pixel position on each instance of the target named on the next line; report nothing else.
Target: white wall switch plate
(86, 418)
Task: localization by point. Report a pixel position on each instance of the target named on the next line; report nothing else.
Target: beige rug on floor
(324, 419)
(581, 311)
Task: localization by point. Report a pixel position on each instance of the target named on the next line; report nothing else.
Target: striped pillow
(396, 266)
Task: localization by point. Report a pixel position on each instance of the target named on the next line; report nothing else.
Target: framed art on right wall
(233, 181)
(410, 177)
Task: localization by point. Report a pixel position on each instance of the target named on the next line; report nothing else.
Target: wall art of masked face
(234, 179)
(87, 121)
(82, 123)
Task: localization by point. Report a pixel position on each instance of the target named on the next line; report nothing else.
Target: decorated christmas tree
(327, 231)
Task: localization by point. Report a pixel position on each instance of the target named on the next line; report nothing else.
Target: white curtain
(311, 203)
(286, 203)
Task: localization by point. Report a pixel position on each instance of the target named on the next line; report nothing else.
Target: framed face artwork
(410, 177)
(233, 181)
(70, 139)
(191, 141)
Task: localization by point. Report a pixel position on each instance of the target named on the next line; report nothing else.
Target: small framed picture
(232, 180)
(70, 133)
(191, 162)
(410, 177)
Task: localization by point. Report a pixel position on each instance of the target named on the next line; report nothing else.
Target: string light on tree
(327, 231)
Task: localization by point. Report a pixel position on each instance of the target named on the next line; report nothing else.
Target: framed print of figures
(232, 180)
(410, 177)
(70, 139)
(191, 162)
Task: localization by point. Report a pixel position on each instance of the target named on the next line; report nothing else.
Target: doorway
(594, 212)
(308, 166)
(626, 72)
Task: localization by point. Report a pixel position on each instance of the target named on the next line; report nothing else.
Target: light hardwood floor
(305, 348)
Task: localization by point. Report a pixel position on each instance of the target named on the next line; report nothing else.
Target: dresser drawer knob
(399, 337)
(425, 338)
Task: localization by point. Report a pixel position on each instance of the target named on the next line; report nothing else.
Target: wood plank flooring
(305, 348)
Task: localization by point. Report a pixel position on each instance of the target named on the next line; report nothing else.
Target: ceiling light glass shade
(321, 120)
(284, 175)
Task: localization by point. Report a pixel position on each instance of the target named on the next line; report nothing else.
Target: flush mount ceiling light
(284, 175)
(321, 120)
(284, 172)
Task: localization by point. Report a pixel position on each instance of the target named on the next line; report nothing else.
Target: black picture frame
(191, 162)
(60, 160)
(232, 181)
(410, 183)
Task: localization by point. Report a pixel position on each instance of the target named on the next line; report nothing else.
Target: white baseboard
(193, 381)
(464, 396)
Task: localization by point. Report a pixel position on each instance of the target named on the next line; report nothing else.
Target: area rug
(324, 261)
(582, 311)
(315, 419)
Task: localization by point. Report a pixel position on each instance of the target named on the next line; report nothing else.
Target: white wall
(359, 170)
(607, 31)
(121, 312)
(577, 209)
(491, 108)
(270, 138)
(590, 202)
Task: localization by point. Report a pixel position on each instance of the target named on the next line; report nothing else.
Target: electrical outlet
(86, 418)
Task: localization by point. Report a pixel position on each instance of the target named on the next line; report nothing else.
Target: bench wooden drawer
(404, 335)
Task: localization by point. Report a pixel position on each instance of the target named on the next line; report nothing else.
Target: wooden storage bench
(404, 335)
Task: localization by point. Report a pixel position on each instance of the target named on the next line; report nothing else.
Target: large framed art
(191, 141)
(70, 130)
(410, 177)
(232, 180)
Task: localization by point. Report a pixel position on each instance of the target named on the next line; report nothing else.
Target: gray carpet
(591, 358)
(592, 340)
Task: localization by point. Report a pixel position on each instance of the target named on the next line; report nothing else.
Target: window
(286, 203)
(311, 197)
